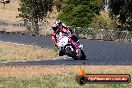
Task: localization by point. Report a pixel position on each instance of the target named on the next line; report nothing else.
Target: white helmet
(58, 22)
(54, 27)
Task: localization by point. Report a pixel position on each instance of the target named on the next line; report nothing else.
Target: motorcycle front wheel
(71, 53)
(82, 55)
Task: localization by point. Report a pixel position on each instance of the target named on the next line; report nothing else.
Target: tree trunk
(4, 5)
(36, 26)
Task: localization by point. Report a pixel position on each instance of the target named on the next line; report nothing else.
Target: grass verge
(13, 52)
(52, 81)
(55, 76)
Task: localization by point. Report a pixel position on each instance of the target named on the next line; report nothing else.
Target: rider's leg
(76, 46)
(75, 39)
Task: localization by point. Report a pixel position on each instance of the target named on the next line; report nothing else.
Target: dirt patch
(10, 28)
(38, 70)
(9, 11)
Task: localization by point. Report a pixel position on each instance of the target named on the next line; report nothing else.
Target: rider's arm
(53, 37)
(69, 31)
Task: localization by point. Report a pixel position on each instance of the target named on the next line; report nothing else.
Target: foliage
(101, 3)
(103, 22)
(58, 4)
(34, 11)
(121, 10)
(79, 13)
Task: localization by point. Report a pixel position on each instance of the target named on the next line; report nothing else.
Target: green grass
(52, 81)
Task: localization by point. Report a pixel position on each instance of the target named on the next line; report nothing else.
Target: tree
(121, 10)
(58, 4)
(5, 2)
(34, 11)
(101, 3)
(79, 13)
(103, 21)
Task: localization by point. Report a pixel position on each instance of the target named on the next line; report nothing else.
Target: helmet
(58, 22)
(54, 27)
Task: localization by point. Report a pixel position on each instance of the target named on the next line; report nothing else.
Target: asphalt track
(97, 52)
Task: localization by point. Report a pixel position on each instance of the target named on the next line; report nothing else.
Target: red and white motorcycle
(66, 48)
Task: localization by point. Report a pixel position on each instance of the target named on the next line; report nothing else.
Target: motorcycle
(66, 48)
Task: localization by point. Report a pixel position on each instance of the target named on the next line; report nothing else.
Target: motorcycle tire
(82, 55)
(71, 53)
(61, 53)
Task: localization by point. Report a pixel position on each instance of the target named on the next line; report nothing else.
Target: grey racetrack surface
(97, 52)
